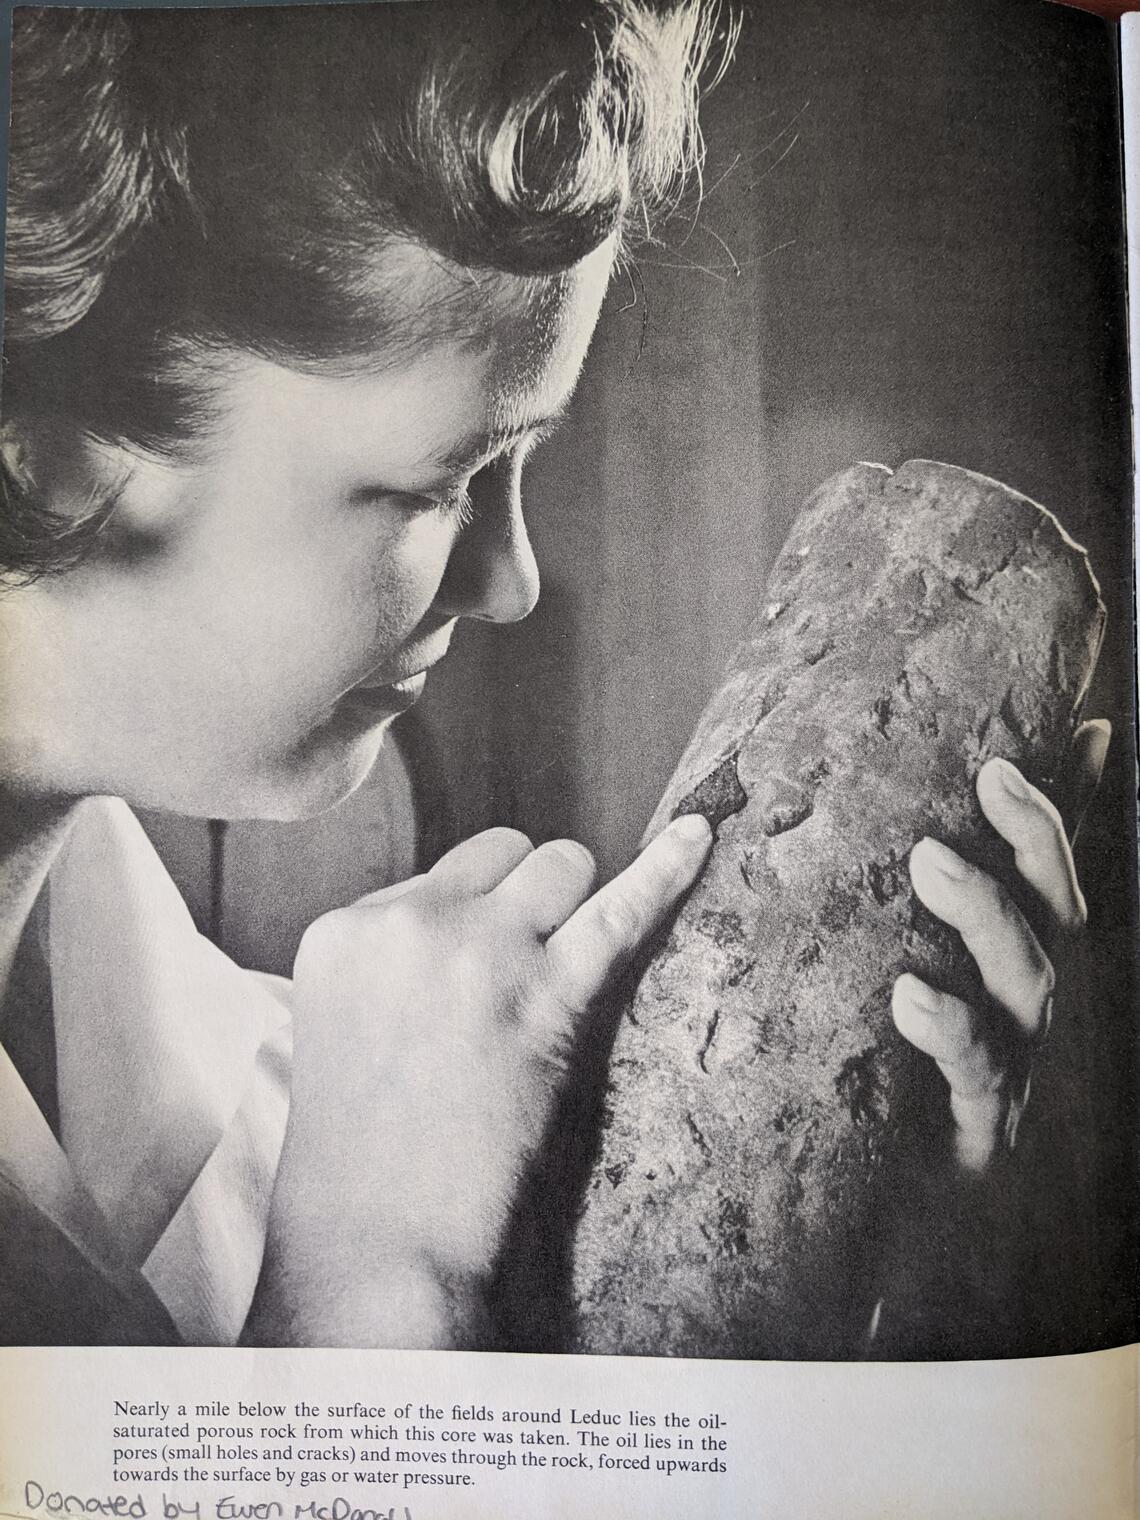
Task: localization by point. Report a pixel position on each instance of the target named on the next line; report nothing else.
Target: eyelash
(456, 504)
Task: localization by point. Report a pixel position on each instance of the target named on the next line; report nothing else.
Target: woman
(290, 297)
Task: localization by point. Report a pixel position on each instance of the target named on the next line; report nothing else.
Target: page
(282, 335)
(1130, 73)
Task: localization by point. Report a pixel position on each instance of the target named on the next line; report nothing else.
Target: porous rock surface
(915, 624)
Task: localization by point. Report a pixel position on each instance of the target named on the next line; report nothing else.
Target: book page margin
(1050, 1438)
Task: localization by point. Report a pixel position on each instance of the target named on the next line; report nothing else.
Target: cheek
(362, 607)
(401, 579)
(282, 622)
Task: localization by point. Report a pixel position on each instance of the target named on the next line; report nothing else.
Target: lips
(383, 701)
(407, 690)
(412, 671)
(405, 683)
(391, 689)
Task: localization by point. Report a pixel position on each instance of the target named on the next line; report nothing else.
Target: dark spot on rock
(885, 879)
(786, 807)
(740, 969)
(1019, 722)
(918, 692)
(732, 1227)
(819, 651)
(718, 796)
(981, 576)
(786, 1015)
(962, 592)
(808, 955)
(757, 874)
(860, 1088)
(882, 712)
(806, 1149)
(698, 1139)
(840, 908)
(913, 593)
(616, 1173)
(817, 771)
(787, 1113)
(710, 1036)
(721, 925)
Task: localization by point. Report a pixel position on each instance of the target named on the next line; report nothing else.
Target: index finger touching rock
(604, 933)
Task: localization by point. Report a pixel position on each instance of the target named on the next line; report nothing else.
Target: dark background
(910, 245)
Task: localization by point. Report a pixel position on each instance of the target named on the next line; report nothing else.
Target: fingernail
(917, 993)
(573, 852)
(1101, 728)
(943, 860)
(694, 826)
(1012, 780)
(1099, 739)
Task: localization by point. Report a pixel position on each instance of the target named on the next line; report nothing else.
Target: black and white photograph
(567, 670)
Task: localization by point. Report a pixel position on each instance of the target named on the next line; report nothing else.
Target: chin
(317, 791)
(308, 783)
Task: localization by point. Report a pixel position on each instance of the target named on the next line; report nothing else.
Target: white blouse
(173, 1082)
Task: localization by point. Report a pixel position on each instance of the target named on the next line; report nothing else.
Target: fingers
(984, 1059)
(480, 863)
(1028, 821)
(1014, 968)
(949, 1030)
(388, 894)
(549, 884)
(1090, 750)
(606, 930)
(955, 1035)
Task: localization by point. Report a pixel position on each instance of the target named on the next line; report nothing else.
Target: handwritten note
(40, 1500)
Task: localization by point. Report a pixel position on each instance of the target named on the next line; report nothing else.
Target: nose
(491, 573)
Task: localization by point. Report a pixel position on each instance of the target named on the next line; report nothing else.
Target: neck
(31, 834)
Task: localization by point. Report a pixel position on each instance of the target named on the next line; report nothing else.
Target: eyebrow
(485, 445)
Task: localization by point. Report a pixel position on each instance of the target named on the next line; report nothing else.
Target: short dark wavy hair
(188, 183)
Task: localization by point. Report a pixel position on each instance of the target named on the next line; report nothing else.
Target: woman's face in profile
(258, 616)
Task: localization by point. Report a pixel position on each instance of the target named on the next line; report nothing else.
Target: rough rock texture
(915, 624)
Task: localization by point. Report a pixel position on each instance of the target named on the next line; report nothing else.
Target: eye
(457, 504)
(453, 503)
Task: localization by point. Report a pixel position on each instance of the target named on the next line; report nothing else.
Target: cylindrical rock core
(915, 624)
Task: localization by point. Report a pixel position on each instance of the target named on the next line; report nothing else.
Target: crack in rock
(698, 1139)
(710, 1036)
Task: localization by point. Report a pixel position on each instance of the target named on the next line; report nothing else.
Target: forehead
(482, 354)
(524, 322)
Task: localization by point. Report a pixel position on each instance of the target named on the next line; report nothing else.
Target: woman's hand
(434, 1026)
(986, 1054)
